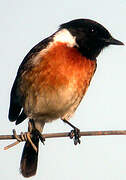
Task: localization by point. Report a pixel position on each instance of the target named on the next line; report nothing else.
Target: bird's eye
(92, 30)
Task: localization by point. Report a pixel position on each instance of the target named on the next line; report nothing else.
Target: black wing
(16, 112)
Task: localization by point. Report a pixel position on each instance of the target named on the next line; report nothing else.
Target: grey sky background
(24, 24)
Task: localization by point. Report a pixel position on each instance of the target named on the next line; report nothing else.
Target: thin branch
(11, 145)
(65, 134)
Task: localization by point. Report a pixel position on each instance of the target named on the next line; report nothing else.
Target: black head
(91, 37)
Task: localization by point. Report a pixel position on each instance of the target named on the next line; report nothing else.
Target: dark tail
(28, 164)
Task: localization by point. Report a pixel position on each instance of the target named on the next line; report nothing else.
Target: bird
(52, 80)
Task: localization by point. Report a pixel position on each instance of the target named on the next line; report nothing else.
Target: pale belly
(50, 103)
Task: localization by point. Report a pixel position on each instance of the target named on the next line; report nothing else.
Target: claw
(75, 135)
(71, 134)
(42, 139)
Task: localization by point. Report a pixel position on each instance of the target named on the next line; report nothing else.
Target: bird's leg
(36, 131)
(27, 136)
(75, 133)
(42, 139)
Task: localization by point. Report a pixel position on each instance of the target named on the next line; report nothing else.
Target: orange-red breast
(53, 78)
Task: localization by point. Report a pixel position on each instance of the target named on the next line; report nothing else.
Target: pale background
(22, 25)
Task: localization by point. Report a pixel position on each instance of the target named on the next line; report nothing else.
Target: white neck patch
(65, 36)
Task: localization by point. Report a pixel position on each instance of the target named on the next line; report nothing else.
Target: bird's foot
(42, 139)
(75, 135)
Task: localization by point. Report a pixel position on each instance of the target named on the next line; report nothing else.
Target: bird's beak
(114, 41)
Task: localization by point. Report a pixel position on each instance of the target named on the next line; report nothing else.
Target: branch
(65, 134)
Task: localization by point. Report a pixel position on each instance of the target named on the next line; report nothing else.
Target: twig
(65, 134)
(11, 145)
(33, 145)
